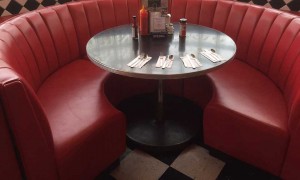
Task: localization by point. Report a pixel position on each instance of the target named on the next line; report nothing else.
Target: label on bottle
(144, 22)
(182, 31)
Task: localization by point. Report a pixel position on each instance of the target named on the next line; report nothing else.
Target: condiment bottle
(182, 31)
(144, 21)
(134, 29)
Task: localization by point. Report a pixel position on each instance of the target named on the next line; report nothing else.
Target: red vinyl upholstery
(56, 120)
(9, 165)
(253, 114)
(56, 116)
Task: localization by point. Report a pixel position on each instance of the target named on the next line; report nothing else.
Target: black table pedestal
(181, 121)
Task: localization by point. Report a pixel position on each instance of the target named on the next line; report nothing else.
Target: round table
(175, 122)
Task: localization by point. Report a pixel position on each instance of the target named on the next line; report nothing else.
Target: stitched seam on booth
(30, 72)
(128, 13)
(65, 32)
(100, 14)
(53, 42)
(277, 44)
(43, 49)
(49, 33)
(288, 74)
(259, 62)
(198, 13)
(227, 18)
(77, 37)
(282, 62)
(87, 21)
(240, 25)
(293, 91)
(32, 50)
(99, 10)
(285, 54)
(115, 17)
(251, 39)
(214, 14)
(199, 16)
(28, 43)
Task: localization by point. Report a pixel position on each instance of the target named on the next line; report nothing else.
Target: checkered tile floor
(288, 5)
(9, 7)
(194, 162)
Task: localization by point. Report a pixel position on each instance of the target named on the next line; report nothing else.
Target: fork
(135, 62)
(168, 61)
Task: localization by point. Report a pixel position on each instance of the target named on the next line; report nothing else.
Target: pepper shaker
(134, 29)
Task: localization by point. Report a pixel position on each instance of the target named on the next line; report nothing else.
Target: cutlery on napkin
(211, 55)
(160, 61)
(165, 62)
(139, 61)
(190, 61)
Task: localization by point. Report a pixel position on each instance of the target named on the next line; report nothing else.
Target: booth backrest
(266, 39)
(38, 43)
(32, 47)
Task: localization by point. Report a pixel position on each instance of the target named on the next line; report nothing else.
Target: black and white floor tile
(286, 5)
(194, 162)
(12, 7)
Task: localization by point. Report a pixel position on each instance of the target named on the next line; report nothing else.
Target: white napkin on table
(165, 62)
(139, 61)
(190, 62)
(214, 57)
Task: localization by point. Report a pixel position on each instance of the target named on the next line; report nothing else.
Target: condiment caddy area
(154, 19)
(155, 22)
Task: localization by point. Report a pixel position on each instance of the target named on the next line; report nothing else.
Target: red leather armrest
(25, 118)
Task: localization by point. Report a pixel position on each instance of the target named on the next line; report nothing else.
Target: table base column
(182, 121)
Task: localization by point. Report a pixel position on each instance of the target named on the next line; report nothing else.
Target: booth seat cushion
(82, 121)
(249, 112)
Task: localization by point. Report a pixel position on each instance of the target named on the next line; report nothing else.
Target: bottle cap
(183, 20)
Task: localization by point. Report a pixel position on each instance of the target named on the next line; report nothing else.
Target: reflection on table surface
(114, 48)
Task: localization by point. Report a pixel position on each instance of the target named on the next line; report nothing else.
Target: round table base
(181, 122)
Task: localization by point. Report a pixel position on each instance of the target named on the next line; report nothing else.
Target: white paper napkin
(164, 61)
(214, 57)
(139, 61)
(190, 62)
(160, 61)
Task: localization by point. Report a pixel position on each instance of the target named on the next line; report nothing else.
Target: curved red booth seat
(58, 123)
(253, 114)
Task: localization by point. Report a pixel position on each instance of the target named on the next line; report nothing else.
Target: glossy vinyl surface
(114, 48)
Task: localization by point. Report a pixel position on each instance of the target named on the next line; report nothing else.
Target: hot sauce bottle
(144, 22)
(134, 28)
